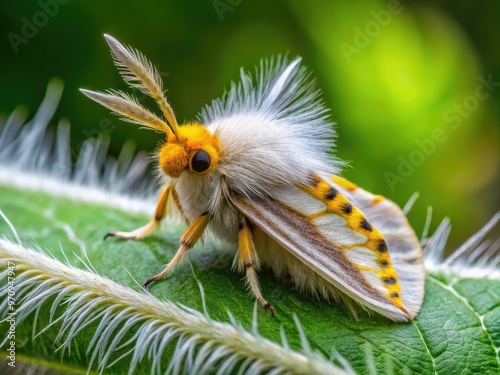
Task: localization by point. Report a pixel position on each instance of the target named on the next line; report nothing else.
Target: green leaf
(457, 330)
(94, 313)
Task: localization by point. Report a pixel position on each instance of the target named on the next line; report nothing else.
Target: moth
(256, 169)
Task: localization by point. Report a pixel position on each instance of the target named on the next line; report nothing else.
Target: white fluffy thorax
(273, 133)
(260, 155)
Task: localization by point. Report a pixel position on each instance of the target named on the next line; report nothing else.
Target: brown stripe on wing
(300, 225)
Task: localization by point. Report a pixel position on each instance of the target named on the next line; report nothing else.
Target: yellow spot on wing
(346, 184)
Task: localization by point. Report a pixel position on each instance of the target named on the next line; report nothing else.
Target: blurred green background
(413, 85)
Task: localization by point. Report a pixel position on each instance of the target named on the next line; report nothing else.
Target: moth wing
(403, 244)
(320, 227)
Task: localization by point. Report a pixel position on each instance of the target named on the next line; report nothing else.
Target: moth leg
(187, 241)
(144, 231)
(249, 261)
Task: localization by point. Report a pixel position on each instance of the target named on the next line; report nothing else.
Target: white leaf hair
(42, 281)
(89, 297)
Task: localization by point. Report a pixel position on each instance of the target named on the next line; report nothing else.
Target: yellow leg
(177, 203)
(188, 239)
(144, 231)
(249, 261)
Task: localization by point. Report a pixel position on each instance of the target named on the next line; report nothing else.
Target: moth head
(191, 148)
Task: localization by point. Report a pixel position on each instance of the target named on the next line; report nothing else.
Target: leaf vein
(425, 345)
(480, 317)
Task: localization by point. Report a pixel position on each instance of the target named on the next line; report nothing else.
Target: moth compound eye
(200, 161)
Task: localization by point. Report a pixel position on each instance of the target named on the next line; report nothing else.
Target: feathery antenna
(123, 104)
(138, 72)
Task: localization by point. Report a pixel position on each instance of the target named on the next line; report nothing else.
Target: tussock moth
(255, 169)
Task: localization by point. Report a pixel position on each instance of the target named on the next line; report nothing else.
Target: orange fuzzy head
(192, 148)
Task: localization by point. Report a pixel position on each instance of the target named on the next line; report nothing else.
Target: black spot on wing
(365, 225)
(382, 246)
(389, 280)
(384, 264)
(331, 194)
(347, 208)
(314, 181)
